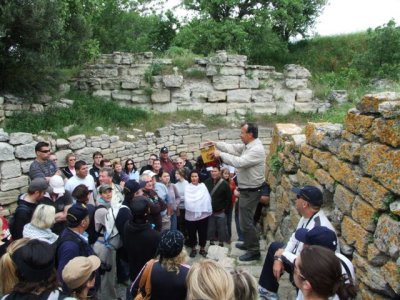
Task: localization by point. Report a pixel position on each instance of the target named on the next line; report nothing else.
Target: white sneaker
(264, 294)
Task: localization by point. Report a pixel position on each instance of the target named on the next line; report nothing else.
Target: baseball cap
(171, 243)
(149, 173)
(132, 186)
(76, 213)
(38, 184)
(104, 187)
(78, 270)
(164, 150)
(57, 184)
(310, 193)
(319, 235)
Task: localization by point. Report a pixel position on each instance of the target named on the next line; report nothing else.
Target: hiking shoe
(203, 253)
(241, 246)
(193, 253)
(250, 255)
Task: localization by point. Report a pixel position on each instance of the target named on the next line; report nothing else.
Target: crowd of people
(81, 229)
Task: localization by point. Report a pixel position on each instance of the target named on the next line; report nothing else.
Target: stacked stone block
(229, 86)
(357, 165)
(17, 151)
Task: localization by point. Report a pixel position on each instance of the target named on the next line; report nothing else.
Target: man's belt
(249, 189)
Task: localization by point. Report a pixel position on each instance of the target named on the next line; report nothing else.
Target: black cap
(164, 150)
(76, 213)
(171, 243)
(139, 206)
(319, 235)
(311, 194)
(132, 186)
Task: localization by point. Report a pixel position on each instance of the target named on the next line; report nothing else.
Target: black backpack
(11, 221)
(91, 230)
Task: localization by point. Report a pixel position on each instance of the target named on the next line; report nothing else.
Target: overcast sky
(345, 16)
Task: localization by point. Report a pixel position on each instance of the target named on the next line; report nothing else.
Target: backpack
(91, 230)
(11, 221)
(112, 237)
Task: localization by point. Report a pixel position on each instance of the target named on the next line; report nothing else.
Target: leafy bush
(181, 58)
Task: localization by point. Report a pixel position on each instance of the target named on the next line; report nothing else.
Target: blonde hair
(43, 216)
(209, 280)
(245, 285)
(172, 264)
(8, 270)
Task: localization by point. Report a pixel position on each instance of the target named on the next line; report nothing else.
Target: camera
(104, 267)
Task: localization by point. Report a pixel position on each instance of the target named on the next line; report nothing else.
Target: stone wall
(17, 151)
(358, 168)
(222, 84)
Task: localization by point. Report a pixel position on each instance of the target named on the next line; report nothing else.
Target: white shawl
(197, 199)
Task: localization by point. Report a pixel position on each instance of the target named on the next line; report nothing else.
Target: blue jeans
(174, 221)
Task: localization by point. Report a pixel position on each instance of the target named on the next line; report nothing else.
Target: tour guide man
(249, 160)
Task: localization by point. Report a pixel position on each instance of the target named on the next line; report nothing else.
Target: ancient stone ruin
(222, 84)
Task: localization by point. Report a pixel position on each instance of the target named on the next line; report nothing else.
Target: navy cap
(132, 186)
(171, 243)
(139, 206)
(319, 235)
(164, 150)
(311, 194)
(76, 213)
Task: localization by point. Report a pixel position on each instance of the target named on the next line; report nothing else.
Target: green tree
(29, 44)
(287, 17)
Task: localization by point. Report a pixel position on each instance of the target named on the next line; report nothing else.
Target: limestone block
(239, 96)
(389, 109)
(229, 134)
(264, 108)
(370, 102)
(8, 197)
(363, 213)
(130, 84)
(383, 164)
(231, 71)
(261, 96)
(236, 58)
(305, 107)
(350, 137)
(391, 274)
(1, 100)
(77, 141)
(102, 93)
(340, 96)
(25, 151)
(307, 150)
(216, 96)
(248, 82)
(308, 165)
(322, 135)
(322, 157)
(359, 124)
(295, 84)
(374, 193)
(343, 199)
(304, 95)
(138, 69)
(199, 96)
(325, 179)
(62, 144)
(161, 96)
(4, 137)
(305, 179)
(387, 131)
(174, 81)
(25, 165)
(6, 152)
(10, 169)
(215, 109)
(284, 108)
(17, 138)
(395, 207)
(344, 173)
(121, 95)
(355, 235)
(376, 257)
(210, 136)
(14, 183)
(296, 71)
(386, 237)
(350, 151)
(192, 139)
(371, 277)
(139, 97)
(108, 84)
(61, 154)
(165, 107)
(220, 57)
(225, 82)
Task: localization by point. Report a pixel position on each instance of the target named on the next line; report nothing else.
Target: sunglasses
(44, 151)
(129, 163)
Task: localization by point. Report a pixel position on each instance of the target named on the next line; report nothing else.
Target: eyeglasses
(129, 163)
(44, 151)
(72, 159)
